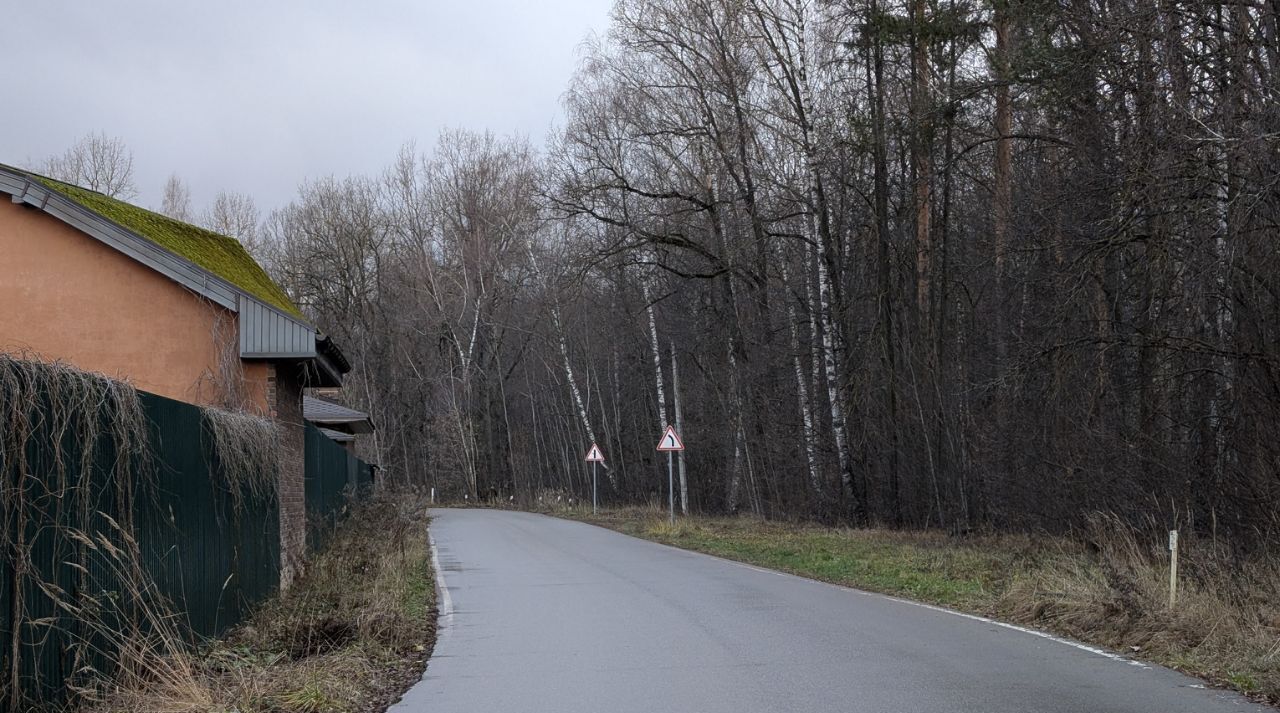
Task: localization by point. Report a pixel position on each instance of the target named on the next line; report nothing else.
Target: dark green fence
(211, 549)
(208, 552)
(334, 475)
(214, 550)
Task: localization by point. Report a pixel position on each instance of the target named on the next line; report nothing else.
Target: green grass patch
(923, 566)
(419, 590)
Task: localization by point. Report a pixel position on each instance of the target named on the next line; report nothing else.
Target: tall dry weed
(349, 627)
(76, 463)
(1114, 590)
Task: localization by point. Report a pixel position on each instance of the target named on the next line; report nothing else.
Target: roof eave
(322, 373)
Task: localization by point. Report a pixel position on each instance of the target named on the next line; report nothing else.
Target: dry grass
(343, 639)
(1225, 627)
(1109, 586)
(348, 637)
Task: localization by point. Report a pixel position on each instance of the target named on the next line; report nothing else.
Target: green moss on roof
(219, 254)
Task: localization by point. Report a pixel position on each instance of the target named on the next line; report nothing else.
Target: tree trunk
(675, 396)
(1001, 210)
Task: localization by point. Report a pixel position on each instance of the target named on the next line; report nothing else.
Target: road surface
(562, 617)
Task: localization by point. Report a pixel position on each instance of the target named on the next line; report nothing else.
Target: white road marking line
(445, 608)
(1023, 629)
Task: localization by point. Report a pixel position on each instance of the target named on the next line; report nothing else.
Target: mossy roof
(220, 255)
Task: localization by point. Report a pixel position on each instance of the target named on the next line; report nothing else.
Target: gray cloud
(257, 96)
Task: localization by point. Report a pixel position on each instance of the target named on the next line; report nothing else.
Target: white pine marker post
(1173, 569)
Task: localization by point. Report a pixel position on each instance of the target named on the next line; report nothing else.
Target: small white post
(1173, 568)
(433, 496)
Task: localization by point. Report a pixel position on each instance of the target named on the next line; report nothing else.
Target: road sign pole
(671, 442)
(671, 495)
(593, 487)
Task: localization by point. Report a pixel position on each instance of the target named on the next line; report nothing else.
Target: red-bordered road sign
(594, 455)
(670, 441)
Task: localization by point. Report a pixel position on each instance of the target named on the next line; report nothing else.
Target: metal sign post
(671, 492)
(594, 457)
(670, 443)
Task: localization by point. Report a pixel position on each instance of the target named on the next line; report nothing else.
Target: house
(174, 309)
(336, 421)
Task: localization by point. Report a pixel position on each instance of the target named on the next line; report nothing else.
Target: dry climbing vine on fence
(247, 449)
(76, 466)
(58, 427)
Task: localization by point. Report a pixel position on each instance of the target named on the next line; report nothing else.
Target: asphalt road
(557, 616)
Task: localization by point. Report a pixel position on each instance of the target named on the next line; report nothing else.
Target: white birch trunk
(568, 364)
(806, 410)
(833, 378)
(830, 341)
(829, 338)
(815, 334)
(657, 357)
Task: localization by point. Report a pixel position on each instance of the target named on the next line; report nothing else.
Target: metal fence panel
(211, 550)
(215, 552)
(211, 554)
(330, 483)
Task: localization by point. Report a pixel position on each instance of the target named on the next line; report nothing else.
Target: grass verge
(350, 636)
(1107, 587)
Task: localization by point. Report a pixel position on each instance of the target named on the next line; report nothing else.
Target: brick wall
(284, 393)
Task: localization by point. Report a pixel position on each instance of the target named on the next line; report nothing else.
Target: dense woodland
(905, 262)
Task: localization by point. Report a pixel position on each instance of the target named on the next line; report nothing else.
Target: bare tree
(236, 215)
(176, 202)
(97, 162)
(938, 264)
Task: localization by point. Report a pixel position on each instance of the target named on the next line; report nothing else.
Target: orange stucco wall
(66, 296)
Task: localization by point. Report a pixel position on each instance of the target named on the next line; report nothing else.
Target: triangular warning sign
(670, 441)
(594, 455)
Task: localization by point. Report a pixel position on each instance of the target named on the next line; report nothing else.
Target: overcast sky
(257, 95)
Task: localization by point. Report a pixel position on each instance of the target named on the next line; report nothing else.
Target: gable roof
(213, 266)
(221, 255)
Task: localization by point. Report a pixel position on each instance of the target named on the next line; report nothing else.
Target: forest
(992, 264)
